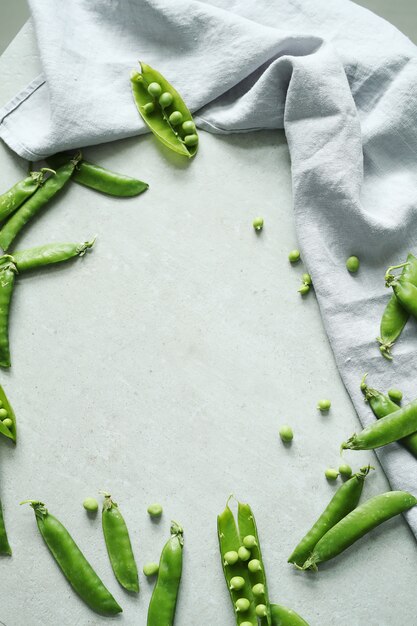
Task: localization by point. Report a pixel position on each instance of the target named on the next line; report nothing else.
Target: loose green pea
(258, 223)
(149, 107)
(8, 422)
(352, 264)
(258, 589)
(231, 558)
(175, 118)
(244, 554)
(237, 583)
(90, 504)
(306, 278)
(331, 473)
(324, 405)
(396, 395)
(294, 256)
(345, 470)
(155, 90)
(286, 433)
(304, 289)
(155, 510)
(254, 566)
(166, 99)
(242, 605)
(150, 569)
(3, 414)
(249, 541)
(191, 140)
(188, 127)
(260, 610)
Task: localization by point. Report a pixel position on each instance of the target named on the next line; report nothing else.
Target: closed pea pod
(7, 277)
(404, 289)
(12, 199)
(119, 546)
(163, 602)
(343, 502)
(358, 523)
(32, 258)
(282, 616)
(5, 549)
(73, 563)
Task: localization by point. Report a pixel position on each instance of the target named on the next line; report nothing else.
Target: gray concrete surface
(160, 367)
(13, 14)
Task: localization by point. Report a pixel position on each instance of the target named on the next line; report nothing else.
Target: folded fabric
(341, 81)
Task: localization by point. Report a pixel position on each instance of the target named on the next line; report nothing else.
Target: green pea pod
(19, 193)
(382, 406)
(386, 430)
(33, 206)
(343, 502)
(163, 602)
(281, 616)
(7, 278)
(358, 523)
(100, 178)
(73, 563)
(118, 545)
(7, 431)
(158, 120)
(48, 254)
(247, 527)
(5, 549)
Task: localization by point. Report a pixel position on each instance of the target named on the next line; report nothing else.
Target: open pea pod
(6, 416)
(164, 111)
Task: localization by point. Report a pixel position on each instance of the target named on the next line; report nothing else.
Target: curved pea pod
(281, 616)
(163, 602)
(32, 258)
(7, 278)
(382, 406)
(230, 542)
(358, 523)
(343, 502)
(247, 527)
(73, 563)
(20, 192)
(173, 137)
(5, 549)
(7, 431)
(390, 428)
(393, 321)
(101, 179)
(118, 545)
(36, 202)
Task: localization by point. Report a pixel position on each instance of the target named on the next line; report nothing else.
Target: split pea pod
(73, 563)
(281, 616)
(343, 502)
(36, 202)
(163, 602)
(235, 570)
(381, 406)
(249, 538)
(12, 199)
(164, 111)
(358, 523)
(119, 546)
(48, 254)
(100, 178)
(7, 277)
(7, 417)
(5, 549)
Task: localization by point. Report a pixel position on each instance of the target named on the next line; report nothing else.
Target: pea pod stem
(390, 277)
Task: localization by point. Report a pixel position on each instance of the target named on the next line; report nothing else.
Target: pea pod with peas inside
(7, 417)
(12, 199)
(164, 111)
(73, 563)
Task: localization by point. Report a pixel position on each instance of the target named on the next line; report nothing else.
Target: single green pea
(165, 99)
(304, 289)
(237, 583)
(261, 610)
(150, 569)
(188, 127)
(258, 223)
(324, 405)
(331, 474)
(8, 422)
(244, 554)
(352, 264)
(154, 90)
(3, 414)
(396, 395)
(345, 470)
(294, 256)
(254, 566)
(242, 605)
(155, 510)
(258, 589)
(306, 279)
(286, 433)
(175, 118)
(231, 558)
(148, 108)
(249, 541)
(90, 504)
(191, 140)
